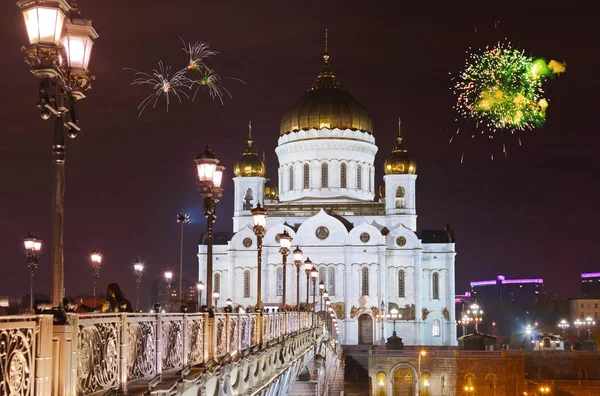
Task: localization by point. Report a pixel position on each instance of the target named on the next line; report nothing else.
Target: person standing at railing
(114, 301)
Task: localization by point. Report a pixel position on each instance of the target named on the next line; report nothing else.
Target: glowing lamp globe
(259, 216)
(298, 254)
(207, 165)
(44, 20)
(78, 39)
(308, 264)
(138, 267)
(168, 276)
(96, 257)
(200, 286)
(285, 240)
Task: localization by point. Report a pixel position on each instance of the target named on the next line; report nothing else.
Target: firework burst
(164, 85)
(501, 88)
(211, 81)
(197, 53)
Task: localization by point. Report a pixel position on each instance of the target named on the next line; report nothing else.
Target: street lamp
(229, 307)
(200, 288)
(298, 262)
(308, 266)
(210, 175)
(138, 268)
(216, 296)
(321, 290)
(182, 218)
(422, 354)
(285, 241)
(60, 45)
(96, 258)
(564, 325)
(578, 323)
(394, 316)
(475, 315)
(259, 216)
(33, 249)
(314, 274)
(589, 322)
(168, 277)
(381, 317)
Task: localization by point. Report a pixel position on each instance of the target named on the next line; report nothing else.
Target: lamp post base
(394, 343)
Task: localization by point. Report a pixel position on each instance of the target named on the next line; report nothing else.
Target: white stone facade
(368, 251)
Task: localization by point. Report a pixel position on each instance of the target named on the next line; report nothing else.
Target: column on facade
(419, 296)
(382, 265)
(451, 326)
(347, 291)
(232, 292)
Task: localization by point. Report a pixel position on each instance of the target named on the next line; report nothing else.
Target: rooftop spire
(326, 55)
(250, 133)
(399, 130)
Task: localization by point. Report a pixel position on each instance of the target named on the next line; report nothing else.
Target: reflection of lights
(426, 384)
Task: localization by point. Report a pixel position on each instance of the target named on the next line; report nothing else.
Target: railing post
(159, 344)
(186, 340)
(43, 356)
(123, 352)
(64, 357)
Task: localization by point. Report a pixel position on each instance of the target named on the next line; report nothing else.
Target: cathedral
(368, 252)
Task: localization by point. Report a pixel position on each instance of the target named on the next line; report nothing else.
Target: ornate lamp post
(475, 315)
(297, 262)
(60, 45)
(96, 258)
(182, 218)
(563, 325)
(33, 249)
(168, 277)
(285, 241)
(308, 266)
(422, 353)
(381, 317)
(314, 274)
(589, 322)
(210, 175)
(200, 288)
(216, 296)
(138, 268)
(259, 217)
(578, 323)
(321, 290)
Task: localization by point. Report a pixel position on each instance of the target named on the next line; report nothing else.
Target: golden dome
(250, 165)
(271, 192)
(326, 105)
(399, 162)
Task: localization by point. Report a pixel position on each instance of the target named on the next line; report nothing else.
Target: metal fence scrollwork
(195, 329)
(141, 352)
(17, 345)
(172, 337)
(98, 359)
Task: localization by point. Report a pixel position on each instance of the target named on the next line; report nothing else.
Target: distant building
(159, 294)
(590, 284)
(581, 308)
(549, 342)
(518, 291)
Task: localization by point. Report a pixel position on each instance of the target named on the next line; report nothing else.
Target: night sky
(534, 214)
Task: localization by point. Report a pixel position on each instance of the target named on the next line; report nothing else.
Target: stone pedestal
(394, 343)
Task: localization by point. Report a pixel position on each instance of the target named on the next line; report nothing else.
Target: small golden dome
(271, 192)
(382, 191)
(399, 162)
(250, 165)
(326, 105)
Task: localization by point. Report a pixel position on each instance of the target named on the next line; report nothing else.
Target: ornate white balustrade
(96, 353)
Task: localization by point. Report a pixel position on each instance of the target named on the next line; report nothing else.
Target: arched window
(343, 175)
(280, 281)
(331, 281)
(470, 380)
(217, 282)
(435, 284)
(435, 328)
(401, 284)
(248, 198)
(291, 177)
(306, 176)
(425, 384)
(359, 177)
(247, 284)
(322, 276)
(381, 384)
(400, 192)
(365, 282)
(324, 175)
(370, 187)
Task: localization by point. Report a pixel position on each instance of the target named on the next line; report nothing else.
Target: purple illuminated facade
(590, 284)
(519, 291)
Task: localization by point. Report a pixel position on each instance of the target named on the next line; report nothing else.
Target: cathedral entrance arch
(403, 382)
(365, 329)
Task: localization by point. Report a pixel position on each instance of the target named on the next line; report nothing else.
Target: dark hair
(116, 299)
